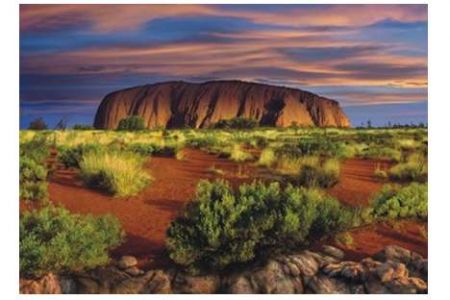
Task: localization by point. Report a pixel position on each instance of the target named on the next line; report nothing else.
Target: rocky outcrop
(394, 270)
(182, 104)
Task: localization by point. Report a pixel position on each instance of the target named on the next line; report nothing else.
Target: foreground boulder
(182, 104)
(393, 271)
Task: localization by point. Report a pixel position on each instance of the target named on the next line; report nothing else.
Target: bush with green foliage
(222, 227)
(33, 169)
(132, 123)
(53, 240)
(153, 149)
(33, 180)
(36, 149)
(395, 202)
(236, 123)
(117, 173)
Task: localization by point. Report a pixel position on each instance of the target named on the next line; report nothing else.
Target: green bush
(33, 180)
(152, 149)
(117, 173)
(132, 123)
(222, 227)
(53, 240)
(402, 202)
(236, 123)
(36, 149)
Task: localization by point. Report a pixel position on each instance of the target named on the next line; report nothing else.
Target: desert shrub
(402, 202)
(53, 240)
(117, 173)
(72, 156)
(322, 175)
(82, 127)
(153, 149)
(236, 123)
(414, 169)
(132, 123)
(33, 180)
(291, 165)
(38, 124)
(36, 149)
(381, 152)
(309, 171)
(222, 227)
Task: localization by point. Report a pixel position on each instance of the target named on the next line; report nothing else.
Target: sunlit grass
(117, 173)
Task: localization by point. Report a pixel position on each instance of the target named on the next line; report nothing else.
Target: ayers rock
(198, 105)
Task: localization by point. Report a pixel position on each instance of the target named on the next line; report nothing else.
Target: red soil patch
(369, 240)
(357, 183)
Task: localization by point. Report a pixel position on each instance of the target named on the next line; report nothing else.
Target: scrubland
(285, 205)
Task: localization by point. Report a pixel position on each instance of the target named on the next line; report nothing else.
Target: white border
(439, 110)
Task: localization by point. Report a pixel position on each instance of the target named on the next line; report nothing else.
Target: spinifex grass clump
(117, 173)
(53, 240)
(267, 157)
(72, 156)
(309, 171)
(402, 202)
(324, 174)
(222, 227)
(414, 169)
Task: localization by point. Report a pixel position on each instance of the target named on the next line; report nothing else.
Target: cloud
(107, 18)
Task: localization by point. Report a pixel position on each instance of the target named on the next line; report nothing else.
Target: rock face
(182, 104)
(392, 271)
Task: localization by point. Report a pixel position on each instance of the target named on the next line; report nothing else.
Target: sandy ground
(146, 217)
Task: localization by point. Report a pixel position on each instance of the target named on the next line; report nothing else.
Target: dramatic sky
(371, 58)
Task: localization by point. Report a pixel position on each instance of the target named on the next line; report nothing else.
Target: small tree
(132, 123)
(38, 124)
(61, 125)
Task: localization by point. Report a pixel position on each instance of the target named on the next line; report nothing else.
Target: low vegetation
(222, 227)
(117, 173)
(236, 123)
(53, 240)
(132, 123)
(415, 168)
(33, 170)
(395, 202)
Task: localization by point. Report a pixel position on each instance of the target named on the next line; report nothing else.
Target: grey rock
(188, 284)
(306, 263)
(134, 271)
(333, 251)
(322, 284)
(126, 262)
